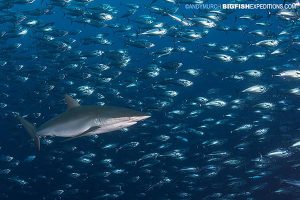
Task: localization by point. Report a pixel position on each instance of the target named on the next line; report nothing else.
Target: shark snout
(139, 118)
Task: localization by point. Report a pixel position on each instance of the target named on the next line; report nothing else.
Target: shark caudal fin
(31, 131)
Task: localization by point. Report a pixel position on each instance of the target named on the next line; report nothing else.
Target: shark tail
(31, 130)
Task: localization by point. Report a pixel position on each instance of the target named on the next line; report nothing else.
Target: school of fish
(221, 86)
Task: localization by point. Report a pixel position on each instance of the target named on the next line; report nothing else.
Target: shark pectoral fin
(83, 134)
(31, 131)
(71, 103)
(93, 128)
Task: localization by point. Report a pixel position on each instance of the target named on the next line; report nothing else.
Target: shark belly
(111, 127)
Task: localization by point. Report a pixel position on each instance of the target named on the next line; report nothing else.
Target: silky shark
(87, 120)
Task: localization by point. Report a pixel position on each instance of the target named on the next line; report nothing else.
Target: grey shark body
(80, 121)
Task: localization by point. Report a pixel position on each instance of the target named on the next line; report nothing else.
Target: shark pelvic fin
(31, 131)
(71, 103)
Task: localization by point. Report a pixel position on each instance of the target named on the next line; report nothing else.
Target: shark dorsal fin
(71, 103)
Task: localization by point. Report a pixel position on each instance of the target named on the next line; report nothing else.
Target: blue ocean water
(221, 86)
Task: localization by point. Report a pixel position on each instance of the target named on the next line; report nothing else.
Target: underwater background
(221, 85)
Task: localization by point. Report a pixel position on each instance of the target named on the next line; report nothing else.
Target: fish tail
(31, 130)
